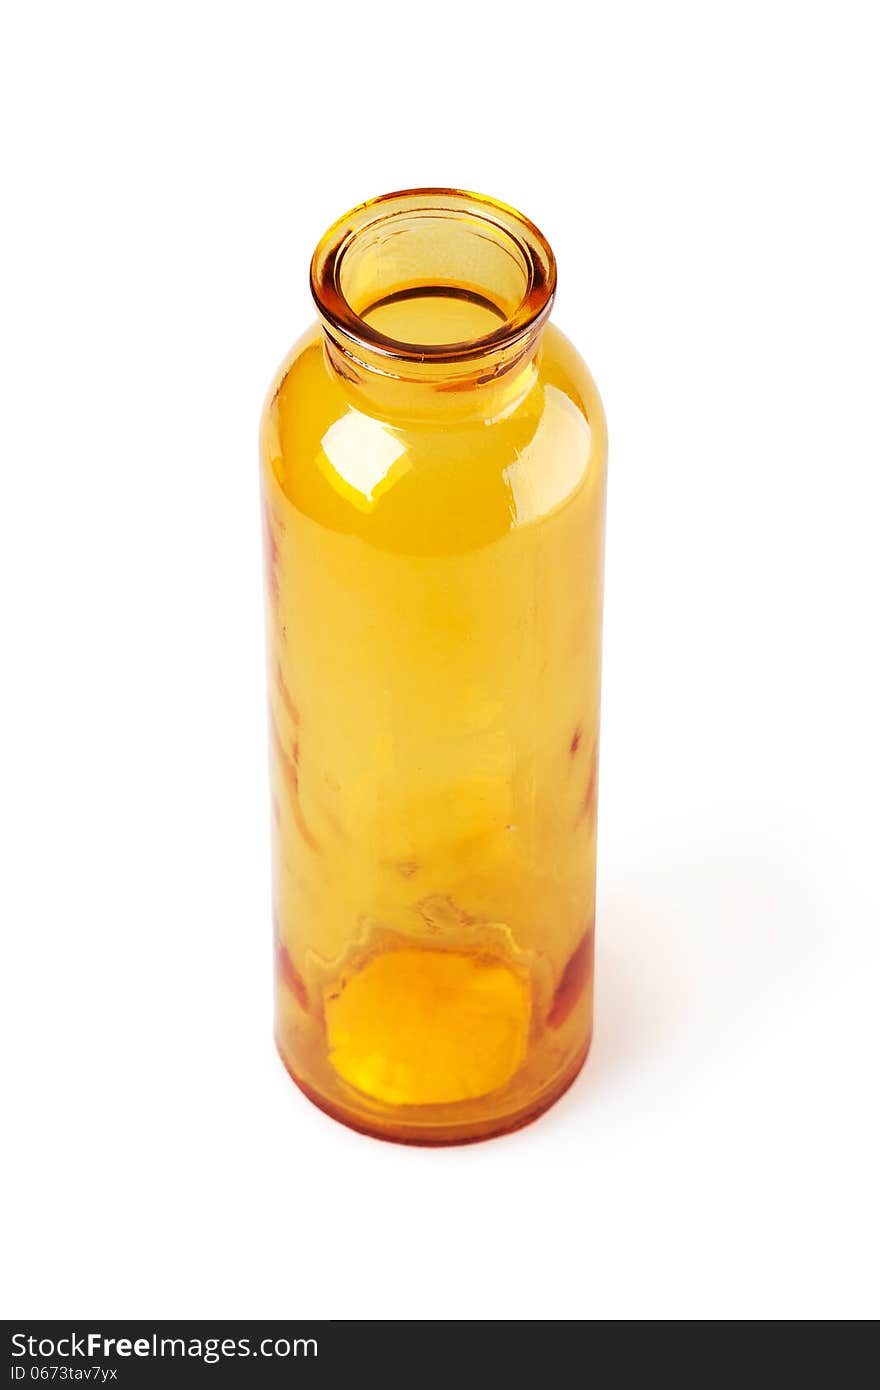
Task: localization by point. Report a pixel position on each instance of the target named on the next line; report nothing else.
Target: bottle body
(434, 608)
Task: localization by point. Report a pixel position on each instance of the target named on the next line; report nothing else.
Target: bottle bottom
(412, 1125)
(424, 1044)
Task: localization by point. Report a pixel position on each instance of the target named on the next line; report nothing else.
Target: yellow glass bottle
(433, 473)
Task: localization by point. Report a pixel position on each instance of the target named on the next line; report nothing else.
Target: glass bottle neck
(433, 302)
(477, 389)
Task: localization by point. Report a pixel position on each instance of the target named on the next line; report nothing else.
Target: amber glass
(433, 473)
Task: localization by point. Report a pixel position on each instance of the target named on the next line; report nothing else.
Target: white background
(708, 176)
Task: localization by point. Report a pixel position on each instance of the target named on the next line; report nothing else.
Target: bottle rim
(487, 218)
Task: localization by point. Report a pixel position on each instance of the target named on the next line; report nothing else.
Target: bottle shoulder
(564, 368)
(425, 486)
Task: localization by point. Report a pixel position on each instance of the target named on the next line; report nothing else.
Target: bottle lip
(488, 217)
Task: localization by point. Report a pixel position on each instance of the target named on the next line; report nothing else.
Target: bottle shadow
(701, 925)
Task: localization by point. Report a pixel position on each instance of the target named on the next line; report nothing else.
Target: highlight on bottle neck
(433, 286)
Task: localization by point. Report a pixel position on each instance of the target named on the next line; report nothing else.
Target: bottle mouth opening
(432, 275)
